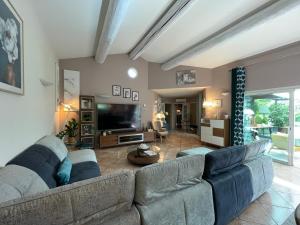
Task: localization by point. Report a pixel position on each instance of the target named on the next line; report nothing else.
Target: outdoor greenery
(279, 115)
(298, 117)
(267, 111)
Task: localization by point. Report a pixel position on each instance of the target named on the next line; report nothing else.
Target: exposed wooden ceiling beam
(115, 13)
(168, 17)
(261, 14)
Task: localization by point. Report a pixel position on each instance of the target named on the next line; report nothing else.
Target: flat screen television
(118, 116)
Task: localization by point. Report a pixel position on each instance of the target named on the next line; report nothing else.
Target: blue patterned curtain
(237, 108)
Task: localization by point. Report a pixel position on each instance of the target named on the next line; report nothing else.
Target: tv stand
(123, 138)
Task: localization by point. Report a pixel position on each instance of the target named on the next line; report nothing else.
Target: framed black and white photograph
(86, 103)
(116, 90)
(135, 96)
(185, 77)
(87, 116)
(126, 93)
(87, 129)
(11, 49)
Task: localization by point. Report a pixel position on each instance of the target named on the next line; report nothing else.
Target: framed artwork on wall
(11, 49)
(135, 96)
(116, 90)
(87, 116)
(126, 93)
(185, 77)
(87, 129)
(72, 88)
(86, 103)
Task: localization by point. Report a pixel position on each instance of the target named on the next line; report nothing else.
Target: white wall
(24, 119)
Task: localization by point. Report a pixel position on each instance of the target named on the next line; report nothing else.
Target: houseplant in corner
(70, 131)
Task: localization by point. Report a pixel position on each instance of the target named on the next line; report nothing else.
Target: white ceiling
(178, 92)
(141, 15)
(71, 27)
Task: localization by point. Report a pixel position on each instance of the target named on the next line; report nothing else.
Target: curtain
(237, 108)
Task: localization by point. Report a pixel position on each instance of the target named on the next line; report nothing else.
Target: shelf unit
(87, 121)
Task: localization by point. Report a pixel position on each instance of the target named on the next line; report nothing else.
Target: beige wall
(275, 69)
(159, 79)
(274, 74)
(98, 79)
(24, 119)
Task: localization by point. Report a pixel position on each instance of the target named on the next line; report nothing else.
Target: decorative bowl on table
(142, 148)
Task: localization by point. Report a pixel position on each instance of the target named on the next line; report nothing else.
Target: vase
(10, 75)
(71, 140)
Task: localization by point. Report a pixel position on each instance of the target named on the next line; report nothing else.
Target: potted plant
(71, 131)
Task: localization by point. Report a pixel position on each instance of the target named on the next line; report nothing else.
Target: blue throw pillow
(64, 172)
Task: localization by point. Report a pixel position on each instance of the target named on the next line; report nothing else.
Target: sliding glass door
(296, 156)
(270, 116)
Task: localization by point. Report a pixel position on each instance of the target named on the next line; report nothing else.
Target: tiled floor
(275, 207)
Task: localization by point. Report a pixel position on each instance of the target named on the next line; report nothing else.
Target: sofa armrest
(96, 199)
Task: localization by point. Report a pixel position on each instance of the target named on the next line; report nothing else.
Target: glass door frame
(291, 128)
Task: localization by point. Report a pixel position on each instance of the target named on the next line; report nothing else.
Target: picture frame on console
(126, 93)
(116, 90)
(11, 49)
(135, 96)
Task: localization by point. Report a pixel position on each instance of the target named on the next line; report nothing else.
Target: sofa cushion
(105, 200)
(173, 192)
(194, 151)
(256, 149)
(83, 155)
(64, 172)
(190, 206)
(261, 170)
(232, 192)
(8, 192)
(54, 144)
(156, 180)
(222, 160)
(84, 170)
(41, 160)
(18, 179)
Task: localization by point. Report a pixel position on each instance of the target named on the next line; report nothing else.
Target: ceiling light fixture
(132, 73)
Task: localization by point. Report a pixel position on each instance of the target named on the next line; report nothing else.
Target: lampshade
(207, 104)
(160, 115)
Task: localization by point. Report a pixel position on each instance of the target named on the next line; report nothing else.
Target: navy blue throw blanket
(41, 160)
(230, 181)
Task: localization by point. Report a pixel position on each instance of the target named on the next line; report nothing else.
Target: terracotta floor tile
(272, 197)
(256, 213)
(279, 214)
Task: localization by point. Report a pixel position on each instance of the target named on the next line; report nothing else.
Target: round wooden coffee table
(136, 159)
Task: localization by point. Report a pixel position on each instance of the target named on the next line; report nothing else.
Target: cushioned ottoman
(230, 181)
(194, 151)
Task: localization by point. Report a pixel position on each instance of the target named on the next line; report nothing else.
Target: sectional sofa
(191, 190)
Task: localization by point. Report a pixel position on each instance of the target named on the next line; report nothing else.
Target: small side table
(136, 159)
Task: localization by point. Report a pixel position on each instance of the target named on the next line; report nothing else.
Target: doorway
(270, 115)
(179, 116)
